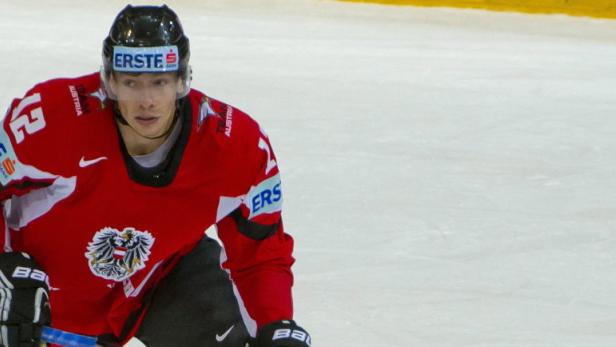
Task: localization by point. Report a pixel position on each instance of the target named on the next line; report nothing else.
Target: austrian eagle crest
(117, 255)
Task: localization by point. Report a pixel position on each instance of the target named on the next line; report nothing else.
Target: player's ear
(180, 85)
(183, 82)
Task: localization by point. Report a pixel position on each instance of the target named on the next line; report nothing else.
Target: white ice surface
(449, 175)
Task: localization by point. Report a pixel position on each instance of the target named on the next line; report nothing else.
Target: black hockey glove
(283, 333)
(24, 300)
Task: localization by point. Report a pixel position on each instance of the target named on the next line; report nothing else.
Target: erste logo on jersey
(145, 59)
(117, 255)
(8, 159)
(265, 197)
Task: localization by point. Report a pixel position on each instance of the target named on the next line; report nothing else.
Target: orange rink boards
(591, 8)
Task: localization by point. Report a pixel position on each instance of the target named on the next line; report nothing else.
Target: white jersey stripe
(24, 209)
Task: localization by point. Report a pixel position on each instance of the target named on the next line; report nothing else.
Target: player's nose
(146, 99)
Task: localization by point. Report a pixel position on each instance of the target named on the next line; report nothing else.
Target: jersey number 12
(28, 122)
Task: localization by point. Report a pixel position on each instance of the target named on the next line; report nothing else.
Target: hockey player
(108, 182)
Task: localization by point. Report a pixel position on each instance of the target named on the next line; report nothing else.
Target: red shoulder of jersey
(45, 128)
(248, 152)
(231, 126)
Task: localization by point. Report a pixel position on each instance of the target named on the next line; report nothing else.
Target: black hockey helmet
(146, 39)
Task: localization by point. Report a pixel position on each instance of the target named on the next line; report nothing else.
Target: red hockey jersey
(105, 232)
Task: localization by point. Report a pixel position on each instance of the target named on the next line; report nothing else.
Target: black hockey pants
(195, 305)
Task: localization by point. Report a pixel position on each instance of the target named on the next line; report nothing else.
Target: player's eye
(129, 83)
(160, 82)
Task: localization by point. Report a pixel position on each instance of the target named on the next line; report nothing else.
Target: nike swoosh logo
(221, 338)
(84, 163)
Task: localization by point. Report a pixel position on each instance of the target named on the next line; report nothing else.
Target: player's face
(147, 101)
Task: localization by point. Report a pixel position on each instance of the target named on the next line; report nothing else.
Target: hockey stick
(67, 339)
